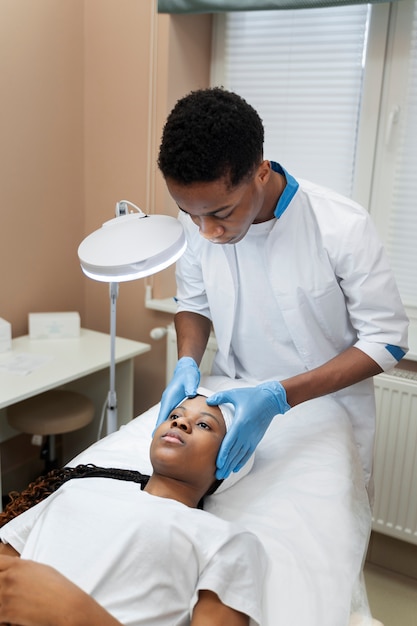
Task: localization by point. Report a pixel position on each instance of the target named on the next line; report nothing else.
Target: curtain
(218, 6)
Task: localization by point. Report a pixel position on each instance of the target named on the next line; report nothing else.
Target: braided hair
(44, 486)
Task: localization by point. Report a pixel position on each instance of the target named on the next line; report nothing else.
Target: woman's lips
(173, 437)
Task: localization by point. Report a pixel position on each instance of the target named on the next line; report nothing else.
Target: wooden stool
(48, 414)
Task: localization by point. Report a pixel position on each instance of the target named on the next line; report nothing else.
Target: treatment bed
(305, 499)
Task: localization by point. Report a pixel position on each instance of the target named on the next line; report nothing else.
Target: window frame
(394, 90)
(385, 77)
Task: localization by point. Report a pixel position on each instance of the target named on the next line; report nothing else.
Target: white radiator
(206, 362)
(395, 460)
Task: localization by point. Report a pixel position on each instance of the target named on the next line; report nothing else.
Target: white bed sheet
(304, 497)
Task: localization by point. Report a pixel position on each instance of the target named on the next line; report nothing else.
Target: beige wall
(41, 157)
(86, 86)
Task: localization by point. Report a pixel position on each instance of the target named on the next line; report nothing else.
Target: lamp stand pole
(112, 399)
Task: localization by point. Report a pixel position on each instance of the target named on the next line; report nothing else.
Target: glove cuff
(186, 361)
(279, 393)
(188, 375)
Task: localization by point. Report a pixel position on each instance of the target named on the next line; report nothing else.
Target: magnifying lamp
(130, 246)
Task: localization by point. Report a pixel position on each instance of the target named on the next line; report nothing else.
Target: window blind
(216, 6)
(303, 72)
(401, 241)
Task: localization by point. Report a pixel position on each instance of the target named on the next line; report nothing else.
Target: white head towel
(227, 410)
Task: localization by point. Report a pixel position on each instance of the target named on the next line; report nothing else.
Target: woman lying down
(104, 552)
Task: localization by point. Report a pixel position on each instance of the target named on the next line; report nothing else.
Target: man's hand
(184, 383)
(254, 409)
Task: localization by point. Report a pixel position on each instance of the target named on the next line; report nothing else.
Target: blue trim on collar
(289, 192)
(396, 351)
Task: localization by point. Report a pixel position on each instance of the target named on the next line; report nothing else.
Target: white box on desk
(5, 335)
(65, 325)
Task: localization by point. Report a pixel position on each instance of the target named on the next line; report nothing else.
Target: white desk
(81, 364)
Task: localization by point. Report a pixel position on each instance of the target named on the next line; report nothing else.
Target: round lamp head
(131, 246)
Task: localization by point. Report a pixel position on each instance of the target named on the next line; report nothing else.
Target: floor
(392, 598)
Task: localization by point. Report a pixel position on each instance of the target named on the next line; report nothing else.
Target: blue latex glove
(254, 409)
(184, 383)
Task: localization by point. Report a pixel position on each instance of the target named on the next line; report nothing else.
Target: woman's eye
(203, 425)
(173, 416)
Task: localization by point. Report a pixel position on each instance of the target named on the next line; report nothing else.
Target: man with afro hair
(291, 276)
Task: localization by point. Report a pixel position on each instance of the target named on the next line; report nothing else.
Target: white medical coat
(331, 281)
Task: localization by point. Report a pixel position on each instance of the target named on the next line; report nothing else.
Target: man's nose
(182, 423)
(209, 228)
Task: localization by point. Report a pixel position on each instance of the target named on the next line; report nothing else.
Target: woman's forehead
(198, 405)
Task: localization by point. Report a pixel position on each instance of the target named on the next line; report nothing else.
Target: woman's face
(186, 445)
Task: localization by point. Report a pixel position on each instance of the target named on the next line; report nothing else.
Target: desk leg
(1, 489)
(6, 433)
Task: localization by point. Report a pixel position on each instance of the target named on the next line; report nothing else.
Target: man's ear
(264, 172)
